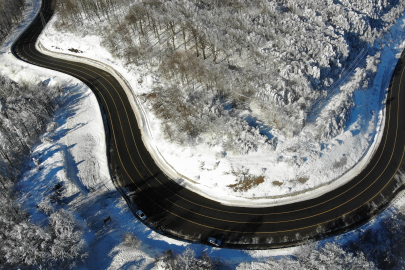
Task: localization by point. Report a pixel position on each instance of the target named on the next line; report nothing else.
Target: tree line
(25, 110)
(310, 256)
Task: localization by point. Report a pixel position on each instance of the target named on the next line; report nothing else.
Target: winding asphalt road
(180, 213)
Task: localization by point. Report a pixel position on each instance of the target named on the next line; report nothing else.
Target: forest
(236, 65)
(204, 88)
(25, 111)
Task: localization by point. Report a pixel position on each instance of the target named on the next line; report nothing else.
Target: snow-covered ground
(298, 165)
(72, 152)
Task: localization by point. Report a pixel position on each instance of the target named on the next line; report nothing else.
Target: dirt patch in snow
(277, 183)
(303, 180)
(245, 185)
(75, 50)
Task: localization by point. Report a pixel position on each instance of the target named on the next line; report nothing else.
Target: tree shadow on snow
(134, 265)
(48, 152)
(70, 103)
(60, 133)
(69, 199)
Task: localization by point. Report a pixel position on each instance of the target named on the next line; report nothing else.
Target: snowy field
(302, 166)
